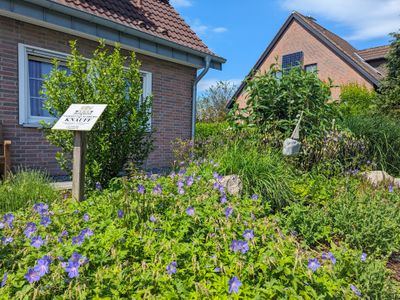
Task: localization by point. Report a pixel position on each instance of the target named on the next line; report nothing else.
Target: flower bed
(178, 236)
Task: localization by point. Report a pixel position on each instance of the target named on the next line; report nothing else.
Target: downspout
(194, 100)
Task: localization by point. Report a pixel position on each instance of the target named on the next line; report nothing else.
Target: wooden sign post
(79, 118)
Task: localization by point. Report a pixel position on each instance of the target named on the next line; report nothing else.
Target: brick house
(302, 41)
(32, 32)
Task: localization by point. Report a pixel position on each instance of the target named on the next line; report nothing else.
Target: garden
(309, 226)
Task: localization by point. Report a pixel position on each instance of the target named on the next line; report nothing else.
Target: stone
(378, 177)
(291, 147)
(233, 184)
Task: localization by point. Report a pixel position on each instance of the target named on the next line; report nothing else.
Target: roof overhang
(315, 33)
(66, 19)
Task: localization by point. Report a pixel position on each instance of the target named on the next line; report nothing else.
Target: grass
(25, 188)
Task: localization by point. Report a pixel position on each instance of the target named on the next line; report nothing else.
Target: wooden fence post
(78, 169)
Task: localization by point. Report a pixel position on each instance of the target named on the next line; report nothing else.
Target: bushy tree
(211, 106)
(122, 133)
(389, 101)
(356, 99)
(276, 98)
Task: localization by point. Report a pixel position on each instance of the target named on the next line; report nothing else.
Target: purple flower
(83, 261)
(64, 233)
(157, 189)
(228, 212)
(181, 191)
(41, 208)
(332, 257)
(60, 258)
(29, 229)
(254, 197)
(171, 268)
(313, 264)
(42, 266)
(32, 276)
(72, 269)
(75, 257)
(182, 172)
(153, 219)
(172, 174)
(37, 242)
(221, 189)
(364, 257)
(355, 290)
(45, 221)
(98, 186)
(216, 185)
(253, 216)
(238, 245)
(87, 232)
(141, 189)
(223, 199)
(391, 188)
(234, 285)
(248, 234)
(189, 181)
(180, 183)
(86, 217)
(1, 225)
(120, 214)
(217, 270)
(6, 240)
(4, 280)
(78, 240)
(190, 211)
(9, 218)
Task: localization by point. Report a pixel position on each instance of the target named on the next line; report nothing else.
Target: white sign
(80, 117)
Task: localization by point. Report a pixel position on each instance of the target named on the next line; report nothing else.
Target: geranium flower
(78, 240)
(238, 245)
(4, 280)
(141, 189)
(157, 189)
(364, 257)
(313, 264)
(391, 188)
(189, 181)
(98, 186)
(248, 234)
(228, 212)
(64, 233)
(181, 191)
(254, 197)
(42, 266)
(6, 240)
(86, 217)
(72, 269)
(153, 219)
(190, 211)
(120, 214)
(223, 199)
(234, 285)
(171, 268)
(87, 232)
(180, 183)
(217, 270)
(1, 225)
(32, 276)
(41, 208)
(37, 242)
(332, 257)
(29, 229)
(45, 221)
(355, 290)
(9, 218)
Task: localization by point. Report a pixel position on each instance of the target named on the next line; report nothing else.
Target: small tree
(389, 101)
(276, 99)
(211, 106)
(122, 133)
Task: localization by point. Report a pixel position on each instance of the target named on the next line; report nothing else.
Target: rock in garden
(232, 184)
(378, 177)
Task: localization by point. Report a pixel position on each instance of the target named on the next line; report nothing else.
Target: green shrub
(275, 102)
(23, 188)
(151, 244)
(356, 99)
(261, 170)
(382, 134)
(207, 130)
(122, 133)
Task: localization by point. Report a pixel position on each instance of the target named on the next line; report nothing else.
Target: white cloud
(181, 3)
(366, 19)
(205, 84)
(203, 29)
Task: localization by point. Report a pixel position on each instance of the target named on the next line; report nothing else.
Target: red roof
(156, 17)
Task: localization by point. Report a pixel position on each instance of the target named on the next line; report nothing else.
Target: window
(292, 60)
(34, 63)
(312, 68)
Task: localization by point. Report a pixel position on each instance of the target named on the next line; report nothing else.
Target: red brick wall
(172, 91)
(296, 39)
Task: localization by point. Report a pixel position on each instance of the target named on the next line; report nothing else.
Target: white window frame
(25, 117)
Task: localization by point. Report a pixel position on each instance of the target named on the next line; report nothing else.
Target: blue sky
(241, 30)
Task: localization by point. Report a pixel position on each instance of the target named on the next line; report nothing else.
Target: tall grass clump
(262, 170)
(25, 188)
(383, 136)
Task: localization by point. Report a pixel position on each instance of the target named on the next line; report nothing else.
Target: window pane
(292, 60)
(37, 71)
(311, 68)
